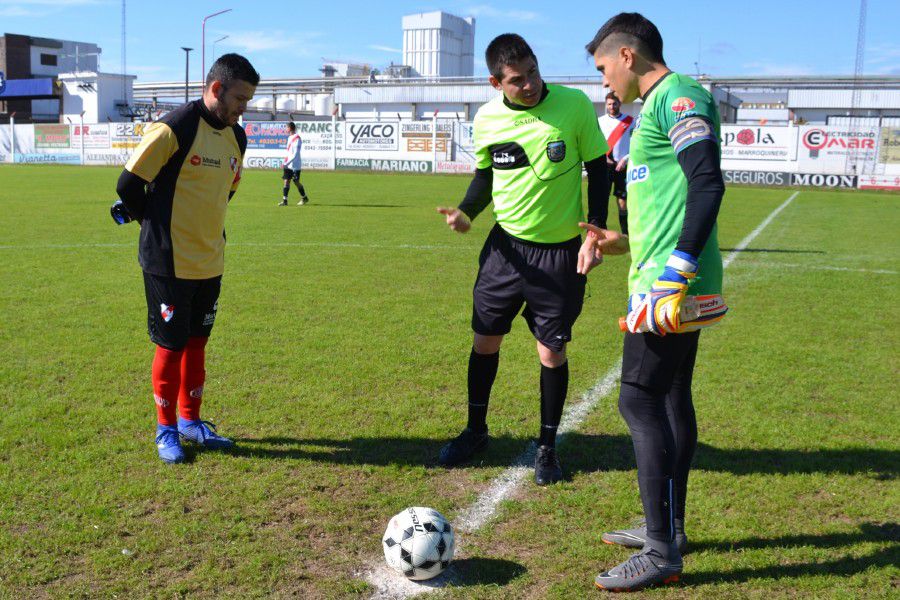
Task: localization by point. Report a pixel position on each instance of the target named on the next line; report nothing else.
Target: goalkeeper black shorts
(542, 277)
(178, 309)
(654, 361)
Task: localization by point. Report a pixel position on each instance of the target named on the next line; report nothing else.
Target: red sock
(193, 375)
(166, 381)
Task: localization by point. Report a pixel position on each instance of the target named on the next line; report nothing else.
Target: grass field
(338, 365)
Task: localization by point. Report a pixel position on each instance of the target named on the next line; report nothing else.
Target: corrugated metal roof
(461, 93)
(875, 99)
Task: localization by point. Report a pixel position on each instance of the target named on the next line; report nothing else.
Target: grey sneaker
(646, 568)
(637, 537)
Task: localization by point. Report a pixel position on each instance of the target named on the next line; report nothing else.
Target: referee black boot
(463, 447)
(547, 469)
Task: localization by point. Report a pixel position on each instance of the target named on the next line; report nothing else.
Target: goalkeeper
(675, 188)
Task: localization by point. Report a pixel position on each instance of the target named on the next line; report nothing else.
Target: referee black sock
(623, 221)
(284, 192)
(301, 190)
(554, 387)
(482, 372)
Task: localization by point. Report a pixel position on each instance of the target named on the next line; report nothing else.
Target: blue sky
(289, 39)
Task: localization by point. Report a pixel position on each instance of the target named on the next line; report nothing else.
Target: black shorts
(654, 361)
(543, 277)
(617, 178)
(291, 174)
(180, 308)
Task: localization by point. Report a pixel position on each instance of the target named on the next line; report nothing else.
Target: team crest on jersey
(683, 104)
(167, 312)
(556, 151)
(637, 122)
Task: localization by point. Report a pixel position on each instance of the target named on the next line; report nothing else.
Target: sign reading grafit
(418, 136)
(51, 136)
(889, 146)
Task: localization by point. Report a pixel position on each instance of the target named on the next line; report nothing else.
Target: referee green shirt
(536, 155)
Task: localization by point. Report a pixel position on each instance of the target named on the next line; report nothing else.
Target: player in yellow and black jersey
(177, 185)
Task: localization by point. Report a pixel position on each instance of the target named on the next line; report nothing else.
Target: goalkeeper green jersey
(536, 155)
(657, 186)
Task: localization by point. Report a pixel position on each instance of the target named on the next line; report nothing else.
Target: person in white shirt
(292, 164)
(617, 129)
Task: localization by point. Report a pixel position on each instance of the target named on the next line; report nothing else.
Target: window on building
(48, 60)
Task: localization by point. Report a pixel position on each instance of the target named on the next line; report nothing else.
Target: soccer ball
(418, 543)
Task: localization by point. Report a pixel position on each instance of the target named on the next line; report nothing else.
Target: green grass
(338, 364)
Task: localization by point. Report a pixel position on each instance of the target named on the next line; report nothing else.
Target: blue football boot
(168, 444)
(203, 433)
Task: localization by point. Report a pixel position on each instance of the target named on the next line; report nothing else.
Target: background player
(177, 184)
(675, 188)
(530, 142)
(616, 128)
(292, 165)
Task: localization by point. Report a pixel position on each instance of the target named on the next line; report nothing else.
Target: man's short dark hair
(614, 97)
(506, 49)
(232, 67)
(291, 127)
(629, 29)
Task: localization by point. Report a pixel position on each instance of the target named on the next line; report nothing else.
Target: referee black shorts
(654, 361)
(290, 174)
(543, 277)
(178, 309)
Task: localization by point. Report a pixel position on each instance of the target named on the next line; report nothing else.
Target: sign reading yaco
(371, 136)
(758, 143)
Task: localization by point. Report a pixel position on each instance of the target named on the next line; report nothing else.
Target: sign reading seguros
(371, 136)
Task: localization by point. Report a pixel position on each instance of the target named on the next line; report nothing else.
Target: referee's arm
(478, 196)
(597, 191)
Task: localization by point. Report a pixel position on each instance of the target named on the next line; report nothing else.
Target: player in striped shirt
(292, 164)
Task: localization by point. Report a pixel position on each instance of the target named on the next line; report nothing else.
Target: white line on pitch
(777, 265)
(391, 586)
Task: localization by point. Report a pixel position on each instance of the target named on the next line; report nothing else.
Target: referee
(675, 189)
(530, 144)
(177, 185)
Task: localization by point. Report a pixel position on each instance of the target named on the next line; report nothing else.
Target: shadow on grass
(868, 532)
(485, 571)
(580, 453)
(882, 558)
(771, 251)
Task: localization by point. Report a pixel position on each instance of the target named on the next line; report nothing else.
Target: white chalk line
(389, 585)
(778, 265)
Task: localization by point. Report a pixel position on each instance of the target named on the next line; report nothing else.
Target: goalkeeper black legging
(664, 433)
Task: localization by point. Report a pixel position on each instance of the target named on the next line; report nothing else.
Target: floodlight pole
(224, 37)
(187, 62)
(203, 35)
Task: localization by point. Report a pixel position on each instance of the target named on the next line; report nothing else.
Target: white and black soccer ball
(418, 543)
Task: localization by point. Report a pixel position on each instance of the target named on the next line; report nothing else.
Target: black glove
(119, 213)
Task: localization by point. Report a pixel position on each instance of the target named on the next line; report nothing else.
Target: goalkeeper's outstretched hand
(659, 311)
(119, 213)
